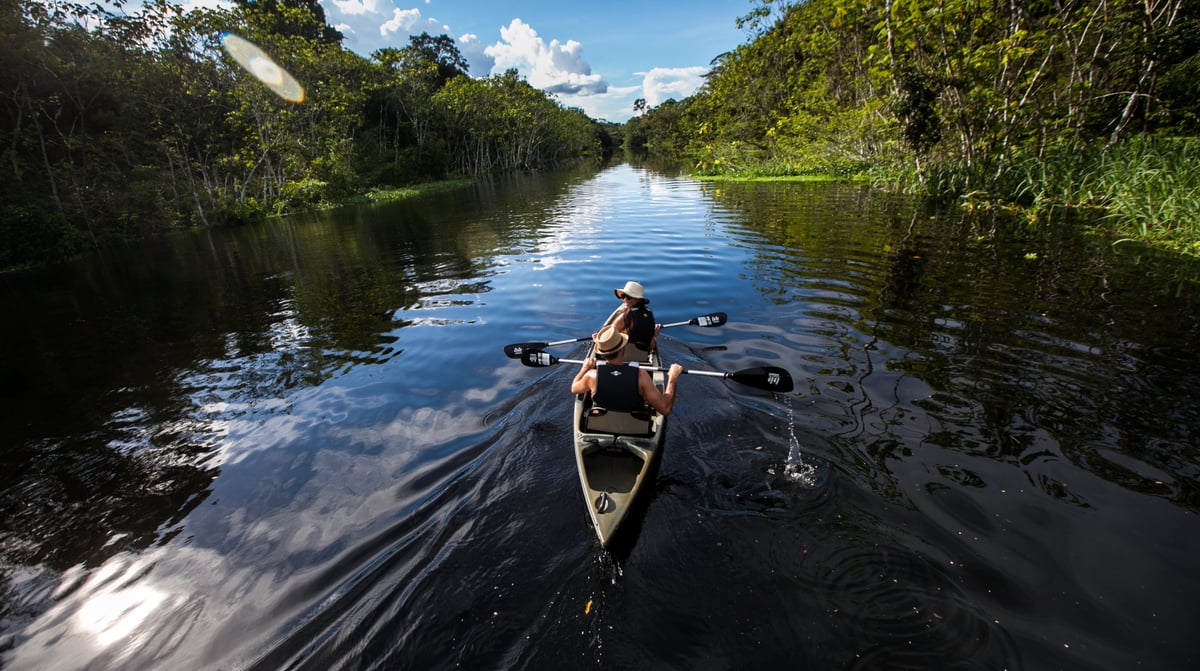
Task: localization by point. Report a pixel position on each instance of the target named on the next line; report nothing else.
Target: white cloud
(403, 20)
(357, 7)
(616, 104)
(662, 84)
(556, 67)
(370, 25)
(479, 63)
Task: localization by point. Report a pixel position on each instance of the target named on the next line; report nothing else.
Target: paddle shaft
(769, 378)
(515, 350)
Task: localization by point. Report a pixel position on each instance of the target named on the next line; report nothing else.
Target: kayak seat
(635, 353)
(600, 420)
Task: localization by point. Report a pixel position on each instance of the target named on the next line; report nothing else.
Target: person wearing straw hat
(636, 320)
(615, 385)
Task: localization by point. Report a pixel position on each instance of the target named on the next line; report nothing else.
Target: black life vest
(639, 324)
(617, 388)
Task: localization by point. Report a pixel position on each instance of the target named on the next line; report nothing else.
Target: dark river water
(300, 445)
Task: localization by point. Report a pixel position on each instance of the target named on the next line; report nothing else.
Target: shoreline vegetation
(381, 195)
(1144, 190)
(136, 120)
(126, 125)
(1080, 109)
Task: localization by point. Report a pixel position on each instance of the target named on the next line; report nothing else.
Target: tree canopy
(131, 124)
(836, 85)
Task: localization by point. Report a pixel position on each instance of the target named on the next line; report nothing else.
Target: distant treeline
(1049, 103)
(118, 126)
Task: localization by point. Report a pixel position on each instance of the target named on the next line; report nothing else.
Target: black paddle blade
(515, 350)
(714, 319)
(536, 358)
(769, 378)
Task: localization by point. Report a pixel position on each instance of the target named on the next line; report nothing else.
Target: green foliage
(1152, 188)
(141, 123)
(978, 100)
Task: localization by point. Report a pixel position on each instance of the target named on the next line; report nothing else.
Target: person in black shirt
(611, 381)
(636, 321)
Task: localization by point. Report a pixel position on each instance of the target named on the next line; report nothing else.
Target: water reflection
(299, 445)
(1035, 347)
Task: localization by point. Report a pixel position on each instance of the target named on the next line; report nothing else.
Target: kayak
(615, 452)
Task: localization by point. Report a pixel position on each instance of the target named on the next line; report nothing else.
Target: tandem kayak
(615, 452)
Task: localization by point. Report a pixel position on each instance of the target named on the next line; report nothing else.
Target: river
(300, 444)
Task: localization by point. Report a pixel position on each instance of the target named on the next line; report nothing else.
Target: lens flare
(259, 64)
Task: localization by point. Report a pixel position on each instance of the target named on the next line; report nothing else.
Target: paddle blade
(714, 319)
(536, 358)
(770, 378)
(515, 350)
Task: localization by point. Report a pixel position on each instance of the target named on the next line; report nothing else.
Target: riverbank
(1142, 190)
(377, 196)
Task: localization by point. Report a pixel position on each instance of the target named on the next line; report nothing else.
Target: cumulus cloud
(409, 22)
(616, 104)
(370, 25)
(662, 84)
(472, 49)
(357, 7)
(555, 67)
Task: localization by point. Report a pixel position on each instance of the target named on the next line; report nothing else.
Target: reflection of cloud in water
(281, 510)
(115, 614)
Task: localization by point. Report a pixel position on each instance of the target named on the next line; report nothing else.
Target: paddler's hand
(674, 373)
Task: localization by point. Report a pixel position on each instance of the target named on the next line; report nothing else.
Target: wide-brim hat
(609, 341)
(631, 289)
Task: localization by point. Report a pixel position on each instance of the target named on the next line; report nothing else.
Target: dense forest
(1087, 105)
(131, 122)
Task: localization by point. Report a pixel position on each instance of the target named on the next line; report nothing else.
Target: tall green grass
(1153, 190)
(1145, 189)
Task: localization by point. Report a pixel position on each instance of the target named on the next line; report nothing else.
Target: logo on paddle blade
(773, 379)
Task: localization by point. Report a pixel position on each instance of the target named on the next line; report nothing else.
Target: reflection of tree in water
(1016, 338)
(122, 371)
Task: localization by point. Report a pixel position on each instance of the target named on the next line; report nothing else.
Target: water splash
(795, 469)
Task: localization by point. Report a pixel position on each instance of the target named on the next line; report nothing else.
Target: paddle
(768, 378)
(515, 350)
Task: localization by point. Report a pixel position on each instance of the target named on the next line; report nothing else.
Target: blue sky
(599, 56)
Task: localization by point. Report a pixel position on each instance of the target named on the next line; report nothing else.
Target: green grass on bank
(749, 177)
(1143, 189)
(392, 195)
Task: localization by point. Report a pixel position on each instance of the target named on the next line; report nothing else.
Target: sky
(598, 56)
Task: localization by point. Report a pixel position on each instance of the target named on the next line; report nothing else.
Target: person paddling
(617, 386)
(636, 320)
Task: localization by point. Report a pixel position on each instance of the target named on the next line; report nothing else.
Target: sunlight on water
(117, 612)
(113, 616)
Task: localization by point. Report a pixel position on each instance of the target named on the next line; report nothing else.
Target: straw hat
(631, 289)
(609, 341)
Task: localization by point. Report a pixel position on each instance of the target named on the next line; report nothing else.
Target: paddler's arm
(580, 384)
(661, 401)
